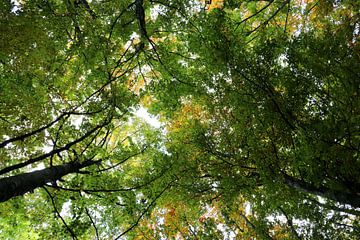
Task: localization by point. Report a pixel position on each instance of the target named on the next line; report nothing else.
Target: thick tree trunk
(343, 197)
(25, 182)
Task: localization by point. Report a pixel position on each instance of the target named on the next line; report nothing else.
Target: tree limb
(73, 235)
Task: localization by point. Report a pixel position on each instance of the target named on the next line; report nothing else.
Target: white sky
(147, 117)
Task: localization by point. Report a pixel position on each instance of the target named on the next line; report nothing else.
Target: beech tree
(258, 108)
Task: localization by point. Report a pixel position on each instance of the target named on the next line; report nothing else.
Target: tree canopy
(257, 104)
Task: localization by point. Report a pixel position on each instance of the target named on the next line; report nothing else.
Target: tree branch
(144, 212)
(252, 226)
(335, 195)
(290, 224)
(258, 12)
(73, 235)
(55, 151)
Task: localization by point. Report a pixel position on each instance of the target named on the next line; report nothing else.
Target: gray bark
(26, 182)
(342, 197)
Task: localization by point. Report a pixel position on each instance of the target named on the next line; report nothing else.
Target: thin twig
(258, 12)
(270, 18)
(59, 215)
(290, 224)
(144, 212)
(252, 226)
(91, 220)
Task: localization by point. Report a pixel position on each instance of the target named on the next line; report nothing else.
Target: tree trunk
(342, 197)
(26, 182)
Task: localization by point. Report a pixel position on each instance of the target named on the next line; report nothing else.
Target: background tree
(273, 116)
(67, 77)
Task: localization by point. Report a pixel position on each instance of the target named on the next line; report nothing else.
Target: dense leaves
(258, 103)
